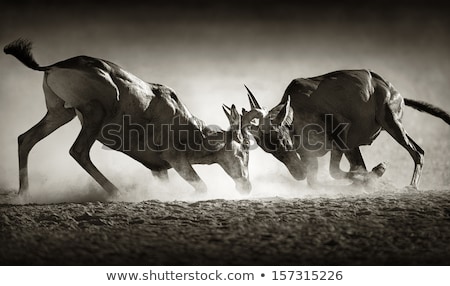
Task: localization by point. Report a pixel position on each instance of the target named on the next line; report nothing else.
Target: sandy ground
(393, 227)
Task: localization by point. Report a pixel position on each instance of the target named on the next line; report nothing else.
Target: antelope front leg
(162, 176)
(184, 168)
(335, 160)
(312, 167)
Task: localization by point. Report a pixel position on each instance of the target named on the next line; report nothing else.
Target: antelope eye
(255, 122)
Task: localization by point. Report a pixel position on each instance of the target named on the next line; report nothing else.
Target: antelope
(157, 128)
(337, 112)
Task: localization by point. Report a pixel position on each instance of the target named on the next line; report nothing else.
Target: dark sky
(207, 50)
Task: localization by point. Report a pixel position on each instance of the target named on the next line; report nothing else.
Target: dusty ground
(383, 228)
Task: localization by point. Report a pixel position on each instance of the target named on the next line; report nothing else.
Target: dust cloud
(207, 52)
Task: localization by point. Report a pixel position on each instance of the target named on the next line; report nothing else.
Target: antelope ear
(286, 114)
(244, 112)
(235, 117)
(227, 110)
(236, 124)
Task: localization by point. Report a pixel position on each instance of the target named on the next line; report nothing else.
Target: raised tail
(21, 49)
(428, 108)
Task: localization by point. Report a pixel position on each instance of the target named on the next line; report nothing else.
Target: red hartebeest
(143, 120)
(336, 112)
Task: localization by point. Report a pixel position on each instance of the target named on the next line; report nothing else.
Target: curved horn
(253, 102)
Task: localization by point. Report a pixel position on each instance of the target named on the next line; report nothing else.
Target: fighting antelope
(102, 95)
(336, 112)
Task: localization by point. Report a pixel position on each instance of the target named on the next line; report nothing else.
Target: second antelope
(336, 112)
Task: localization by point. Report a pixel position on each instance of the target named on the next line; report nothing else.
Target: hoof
(200, 192)
(113, 196)
(200, 195)
(244, 187)
(379, 170)
(410, 188)
(201, 189)
(112, 193)
(365, 178)
(21, 197)
(359, 178)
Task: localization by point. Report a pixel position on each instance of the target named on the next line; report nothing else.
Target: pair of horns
(253, 102)
(227, 109)
(284, 116)
(231, 112)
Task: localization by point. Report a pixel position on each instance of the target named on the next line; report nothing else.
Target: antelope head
(272, 131)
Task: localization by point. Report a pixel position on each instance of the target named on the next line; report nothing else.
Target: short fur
(102, 95)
